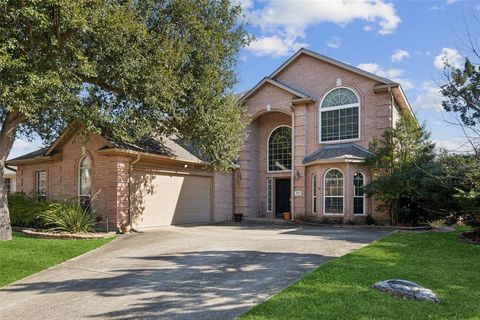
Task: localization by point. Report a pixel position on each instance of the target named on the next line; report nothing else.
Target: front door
(282, 197)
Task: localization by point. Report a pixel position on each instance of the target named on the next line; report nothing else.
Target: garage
(166, 199)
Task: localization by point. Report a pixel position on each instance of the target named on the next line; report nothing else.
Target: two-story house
(311, 123)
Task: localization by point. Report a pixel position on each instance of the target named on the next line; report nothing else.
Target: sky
(405, 41)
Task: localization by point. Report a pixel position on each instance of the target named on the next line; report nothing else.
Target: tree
(132, 67)
(400, 167)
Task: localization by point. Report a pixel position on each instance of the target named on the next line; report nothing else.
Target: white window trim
(269, 194)
(324, 196)
(364, 202)
(351, 105)
(314, 193)
(79, 177)
(268, 149)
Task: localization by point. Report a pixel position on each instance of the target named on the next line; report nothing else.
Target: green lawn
(340, 289)
(24, 256)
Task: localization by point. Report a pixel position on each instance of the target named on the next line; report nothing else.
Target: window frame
(79, 177)
(346, 106)
(7, 182)
(314, 194)
(325, 196)
(268, 149)
(269, 202)
(37, 185)
(361, 197)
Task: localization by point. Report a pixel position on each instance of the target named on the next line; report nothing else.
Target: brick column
(300, 144)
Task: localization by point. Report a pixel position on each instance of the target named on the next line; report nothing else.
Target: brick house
(311, 123)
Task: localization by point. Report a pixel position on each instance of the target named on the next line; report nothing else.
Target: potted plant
(237, 217)
(287, 216)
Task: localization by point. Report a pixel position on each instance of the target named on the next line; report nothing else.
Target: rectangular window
(269, 194)
(314, 193)
(41, 185)
(8, 185)
(340, 124)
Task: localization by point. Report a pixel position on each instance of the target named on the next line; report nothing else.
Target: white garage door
(161, 200)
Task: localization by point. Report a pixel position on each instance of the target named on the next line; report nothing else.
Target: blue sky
(405, 41)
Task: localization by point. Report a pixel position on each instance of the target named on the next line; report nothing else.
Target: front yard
(24, 256)
(340, 289)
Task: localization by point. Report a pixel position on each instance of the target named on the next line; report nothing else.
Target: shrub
(68, 217)
(24, 210)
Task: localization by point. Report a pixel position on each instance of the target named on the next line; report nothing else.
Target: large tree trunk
(7, 137)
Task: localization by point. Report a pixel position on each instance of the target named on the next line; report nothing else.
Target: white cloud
(334, 42)
(448, 57)
(399, 55)
(449, 2)
(478, 7)
(430, 98)
(289, 19)
(22, 146)
(274, 46)
(391, 73)
(368, 28)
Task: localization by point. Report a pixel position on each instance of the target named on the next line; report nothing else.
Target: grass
(23, 256)
(341, 289)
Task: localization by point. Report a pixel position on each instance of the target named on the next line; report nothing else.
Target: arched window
(85, 181)
(280, 149)
(358, 194)
(333, 192)
(314, 193)
(339, 115)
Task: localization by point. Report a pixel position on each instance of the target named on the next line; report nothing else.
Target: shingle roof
(333, 151)
(31, 155)
(169, 147)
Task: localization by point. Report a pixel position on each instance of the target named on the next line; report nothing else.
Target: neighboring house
(311, 123)
(312, 120)
(9, 177)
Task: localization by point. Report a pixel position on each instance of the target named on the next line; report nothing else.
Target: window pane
(280, 150)
(358, 205)
(358, 184)
(41, 184)
(334, 205)
(85, 177)
(339, 124)
(269, 194)
(339, 97)
(333, 192)
(8, 185)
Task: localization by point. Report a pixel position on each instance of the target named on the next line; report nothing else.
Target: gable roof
(278, 84)
(331, 61)
(165, 147)
(346, 151)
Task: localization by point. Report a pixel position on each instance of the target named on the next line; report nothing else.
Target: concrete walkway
(201, 272)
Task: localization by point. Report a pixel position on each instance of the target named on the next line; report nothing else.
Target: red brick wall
(315, 78)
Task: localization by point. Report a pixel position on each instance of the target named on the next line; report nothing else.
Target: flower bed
(43, 234)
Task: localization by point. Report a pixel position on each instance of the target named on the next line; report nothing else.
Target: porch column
(299, 149)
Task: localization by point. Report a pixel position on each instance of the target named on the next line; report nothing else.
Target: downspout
(130, 169)
(292, 186)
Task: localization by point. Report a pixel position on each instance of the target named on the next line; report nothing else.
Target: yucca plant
(68, 217)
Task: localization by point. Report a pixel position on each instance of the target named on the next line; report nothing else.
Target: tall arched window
(339, 115)
(280, 149)
(358, 194)
(85, 181)
(333, 192)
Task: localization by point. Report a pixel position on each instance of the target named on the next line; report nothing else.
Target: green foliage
(24, 210)
(401, 167)
(462, 93)
(131, 67)
(68, 217)
(24, 256)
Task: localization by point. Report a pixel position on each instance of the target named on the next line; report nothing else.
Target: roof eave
(336, 160)
(28, 161)
(148, 155)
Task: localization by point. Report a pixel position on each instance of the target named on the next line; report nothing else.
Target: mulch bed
(470, 237)
(43, 234)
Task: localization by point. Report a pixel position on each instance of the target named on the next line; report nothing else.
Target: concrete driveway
(201, 272)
